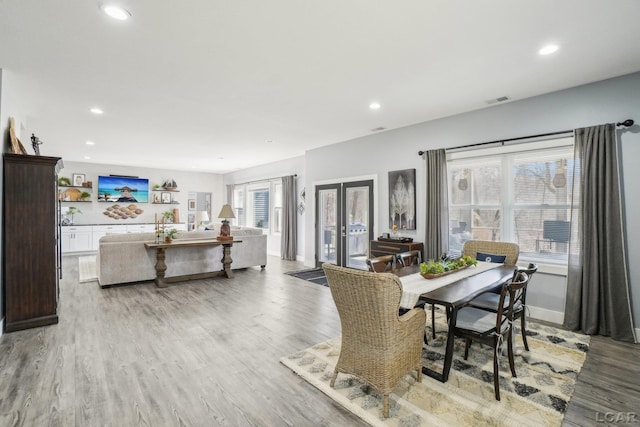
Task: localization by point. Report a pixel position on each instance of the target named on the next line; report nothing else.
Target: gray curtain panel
(289, 237)
(598, 300)
(436, 240)
(230, 194)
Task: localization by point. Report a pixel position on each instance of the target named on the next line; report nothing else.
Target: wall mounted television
(124, 189)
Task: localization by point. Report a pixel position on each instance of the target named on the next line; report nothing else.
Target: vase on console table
(225, 231)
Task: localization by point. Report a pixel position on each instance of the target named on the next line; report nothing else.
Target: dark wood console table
(161, 267)
(379, 248)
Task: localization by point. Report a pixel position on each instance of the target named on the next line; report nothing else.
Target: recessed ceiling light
(548, 49)
(96, 110)
(90, 143)
(374, 106)
(87, 158)
(116, 12)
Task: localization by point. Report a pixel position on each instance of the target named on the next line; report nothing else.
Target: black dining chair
(382, 263)
(490, 301)
(486, 327)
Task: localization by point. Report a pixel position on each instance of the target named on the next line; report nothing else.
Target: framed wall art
(402, 199)
(165, 196)
(78, 179)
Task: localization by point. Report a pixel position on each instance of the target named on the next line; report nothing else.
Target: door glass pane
(357, 242)
(328, 214)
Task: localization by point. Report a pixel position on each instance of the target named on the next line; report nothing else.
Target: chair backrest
(382, 263)
(510, 250)
(410, 258)
(514, 291)
(367, 303)
(529, 270)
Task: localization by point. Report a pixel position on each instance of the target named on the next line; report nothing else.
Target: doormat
(87, 269)
(314, 275)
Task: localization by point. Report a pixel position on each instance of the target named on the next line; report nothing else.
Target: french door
(344, 223)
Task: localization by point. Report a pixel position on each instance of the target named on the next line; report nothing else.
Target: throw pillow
(490, 257)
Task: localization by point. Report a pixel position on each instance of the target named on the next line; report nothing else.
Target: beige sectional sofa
(123, 258)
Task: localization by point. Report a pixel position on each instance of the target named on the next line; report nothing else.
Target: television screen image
(123, 189)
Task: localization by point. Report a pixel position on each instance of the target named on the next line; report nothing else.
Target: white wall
(93, 213)
(602, 102)
(9, 107)
(292, 166)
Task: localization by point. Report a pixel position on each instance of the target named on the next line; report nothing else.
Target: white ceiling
(184, 83)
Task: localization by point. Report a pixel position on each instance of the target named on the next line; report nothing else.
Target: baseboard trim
(556, 317)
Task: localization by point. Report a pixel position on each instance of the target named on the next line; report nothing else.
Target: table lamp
(225, 231)
(201, 216)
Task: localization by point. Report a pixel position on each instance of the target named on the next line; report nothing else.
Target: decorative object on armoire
(16, 145)
(31, 249)
(35, 143)
(225, 230)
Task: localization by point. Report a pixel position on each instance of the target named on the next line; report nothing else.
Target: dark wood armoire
(30, 257)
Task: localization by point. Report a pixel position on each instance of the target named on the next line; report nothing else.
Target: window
(519, 193)
(259, 205)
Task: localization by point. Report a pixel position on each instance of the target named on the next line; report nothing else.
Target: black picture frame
(402, 199)
(165, 197)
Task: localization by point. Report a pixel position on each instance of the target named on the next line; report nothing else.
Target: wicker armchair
(378, 346)
(511, 250)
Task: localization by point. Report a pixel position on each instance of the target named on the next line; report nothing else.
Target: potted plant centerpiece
(432, 269)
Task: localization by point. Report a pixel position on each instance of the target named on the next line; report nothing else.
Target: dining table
(452, 292)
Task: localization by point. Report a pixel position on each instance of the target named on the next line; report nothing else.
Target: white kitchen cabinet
(76, 239)
(83, 238)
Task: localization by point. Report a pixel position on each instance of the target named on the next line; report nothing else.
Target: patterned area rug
(537, 397)
(87, 269)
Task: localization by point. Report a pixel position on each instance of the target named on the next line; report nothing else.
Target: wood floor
(205, 353)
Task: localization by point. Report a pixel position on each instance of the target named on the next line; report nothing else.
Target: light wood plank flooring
(205, 353)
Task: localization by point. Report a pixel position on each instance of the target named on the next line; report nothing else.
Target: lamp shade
(226, 212)
(202, 216)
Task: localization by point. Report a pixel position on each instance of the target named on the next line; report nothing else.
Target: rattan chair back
(510, 250)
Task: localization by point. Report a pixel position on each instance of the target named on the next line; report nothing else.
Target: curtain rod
(262, 180)
(626, 123)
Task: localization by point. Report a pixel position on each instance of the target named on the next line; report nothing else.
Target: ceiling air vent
(497, 100)
(378, 129)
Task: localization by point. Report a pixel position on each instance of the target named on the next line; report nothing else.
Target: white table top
(415, 285)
